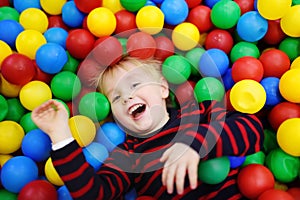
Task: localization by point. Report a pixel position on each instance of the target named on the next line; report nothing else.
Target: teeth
(134, 108)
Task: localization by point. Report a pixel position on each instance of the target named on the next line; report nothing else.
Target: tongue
(138, 112)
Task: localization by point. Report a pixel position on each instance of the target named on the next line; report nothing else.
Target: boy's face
(137, 99)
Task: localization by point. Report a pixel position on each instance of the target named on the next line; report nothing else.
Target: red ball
(18, 69)
(125, 23)
(164, 48)
(87, 72)
(4, 3)
(274, 33)
(228, 104)
(145, 198)
(281, 112)
(108, 52)
(185, 92)
(42, 76)
(193, 3)
(79, 43)
(245, 5)
(141, 45)
(254, 179)
(38, 190)
(56, 21)
(247, 67)
(200, 17)
(275, 62)
(87, 5)
(295, 192)
(275, 194)
(220, 39)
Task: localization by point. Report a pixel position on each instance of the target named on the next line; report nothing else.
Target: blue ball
(175, 11)
(17, 172)
(271, 86)
(236, 161)
(210, 3)
(158, 1)
(227, 79)
(251, 26)
(63, 193)
(36, 145)
(110, 135)
(71, 15)
(56, 35)
(150, 3)
(51, 58)
(9, 30)
(21, 5)
(214, 63)
(95, 154)
(131, 195)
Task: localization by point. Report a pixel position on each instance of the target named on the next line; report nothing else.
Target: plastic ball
(71, 16)
(133, 5)
(110, 135)
(83, 129)
(175, 11)
(5, 49)
(271, 86)
(17, 172)
(290, 46)
(125, 23)
(242, 49)
(254, 179)
(38, 190)
(10, 29)
(275, 194)
(164, 47)
(21, 5)
(8, 89)
(200, 16)
(185, 92)
(7, 195)
(27, 123)
(87, 6)
(95, 106)
(150, 19)
(225, 14)
(11, 138)
(288, 136)
(176, 69)
(255, 158)
(71, 65)
(145, 198)
(209, 88)
(56, 35)
(214, 171)
(245, 5)
(113, 5)
(247, 67)
(34, 94)
(104, 27)
(289, 85)
(79, 43)
(86, 71)
(296, 63)
(213, 63)
(65, 85)
(236, 161)
(141, 45)
(185, 36)
(251, 27)
(274, 33)
(289, 23)
(220, 39)
(95, 154)
(284, 167)
(295, 192)
(248, 96)
(273, 10)
(36, 145)
(51, 173)
(228, 80)
(63, 193)
(35, 19)
(56, 21)
(15, 110)
(275, 62)
(3, 107)
(193, 56)
(9, 13)
(53, 7)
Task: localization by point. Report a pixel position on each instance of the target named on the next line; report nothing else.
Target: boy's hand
(180, 159)
(52, 118)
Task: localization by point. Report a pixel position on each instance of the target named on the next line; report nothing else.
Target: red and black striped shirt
(206, 127)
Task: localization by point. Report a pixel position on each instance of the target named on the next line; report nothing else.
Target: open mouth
(136, 110)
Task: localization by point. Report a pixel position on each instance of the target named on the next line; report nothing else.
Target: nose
(126, 99)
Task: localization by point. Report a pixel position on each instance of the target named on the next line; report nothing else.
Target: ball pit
(45, 53)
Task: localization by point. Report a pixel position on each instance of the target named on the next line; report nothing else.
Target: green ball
(65, 85)
(27, 123)
(123, 42)
(209, 88)
(94, 105)
(3, 107)
(225, 14)
(71, 65)
(193, 56)
(214, 171)
(284, 167)
(15, 110)
(133, 5)
(9, 13)
(291, 46)
(176, 69)
(6, 195)
(256, 158)
(270, 141)
(242, 49)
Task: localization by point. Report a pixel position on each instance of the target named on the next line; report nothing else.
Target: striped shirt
(206, 127)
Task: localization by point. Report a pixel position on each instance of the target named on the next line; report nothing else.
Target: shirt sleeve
(213, 131)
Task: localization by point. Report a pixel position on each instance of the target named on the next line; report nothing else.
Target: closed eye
(116, 98)
(134, 85)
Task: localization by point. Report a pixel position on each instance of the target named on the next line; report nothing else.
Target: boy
(163, 145)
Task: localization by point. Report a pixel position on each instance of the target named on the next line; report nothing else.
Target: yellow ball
(4, 158)
(150, 19)
(8, 89)
(101, 21)
(51, 173)
(35, 19)
(113, 5)
(11, 136)
(296, 63)
(29, 41)
(273, 9)
(5, 51)
(289, 85)
(83, 129)
(185, 36)
(34, 94)
(288, 136)
(248, 96)
(53, 7)
(290, 23)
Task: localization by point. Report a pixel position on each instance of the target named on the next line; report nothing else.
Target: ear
(164, 88)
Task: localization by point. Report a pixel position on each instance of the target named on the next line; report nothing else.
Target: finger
(170, 176)
(180, 175)
(193, 175)
(165, 155)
